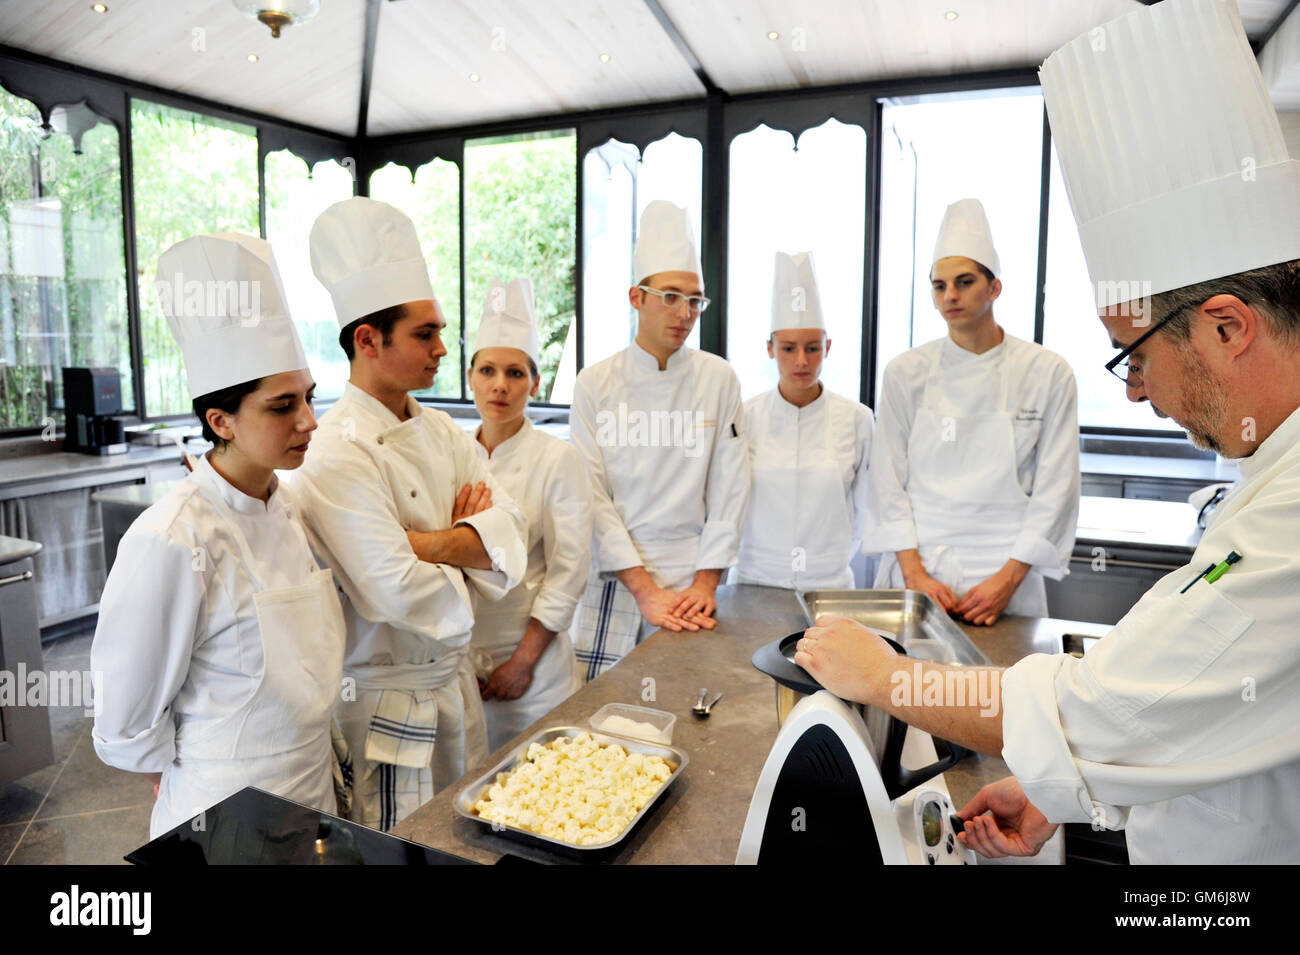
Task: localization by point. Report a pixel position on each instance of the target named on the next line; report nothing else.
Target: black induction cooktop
(254, 827)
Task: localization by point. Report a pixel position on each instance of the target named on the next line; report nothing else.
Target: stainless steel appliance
(846, 780)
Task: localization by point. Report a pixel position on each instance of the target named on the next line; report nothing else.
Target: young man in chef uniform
(530, 667)
(1180, 724)
(393, 498)
(808, 452)
(661, 427)
(219, 638)
(974, 487)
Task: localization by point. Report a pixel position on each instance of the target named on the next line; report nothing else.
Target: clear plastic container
(654, 726)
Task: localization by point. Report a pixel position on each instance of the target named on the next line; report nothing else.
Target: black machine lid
(776, 659)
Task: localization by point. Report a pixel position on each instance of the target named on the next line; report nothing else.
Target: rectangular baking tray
(912, 618)
(471, 794)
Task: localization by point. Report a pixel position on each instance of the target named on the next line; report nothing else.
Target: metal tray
(468, 796)
(910, 617)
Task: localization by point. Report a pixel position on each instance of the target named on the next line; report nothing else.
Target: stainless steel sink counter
(701, 817)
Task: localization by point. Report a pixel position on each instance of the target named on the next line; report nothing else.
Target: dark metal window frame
(714, 120)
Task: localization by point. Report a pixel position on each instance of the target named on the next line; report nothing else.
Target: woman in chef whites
(220, 640)
(529, 666)
(808, 452)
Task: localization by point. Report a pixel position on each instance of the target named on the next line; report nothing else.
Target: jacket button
(412, 492)
(380, 439)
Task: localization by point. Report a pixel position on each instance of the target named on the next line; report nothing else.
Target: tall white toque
(1172, 154)
(965, 231)
(368, 257)
(665, 242)
(509, 319)
(226, 308)
(796, 302)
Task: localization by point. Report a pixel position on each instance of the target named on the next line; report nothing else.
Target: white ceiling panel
(542, 57)
(532, 58)
(840, 41)
(311, 74)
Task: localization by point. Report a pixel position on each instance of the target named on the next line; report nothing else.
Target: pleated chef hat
(665, 242)
(509, 320)
(368, 257)
(965, 231)
(225, 306)
(795, 300)
(1171, 151)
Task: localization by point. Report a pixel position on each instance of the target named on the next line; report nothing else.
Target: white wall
(1291, 130)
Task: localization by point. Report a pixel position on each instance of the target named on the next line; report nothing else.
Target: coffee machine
(91, 399)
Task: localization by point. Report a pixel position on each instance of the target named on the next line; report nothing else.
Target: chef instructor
(974, 481)
(1179, 724)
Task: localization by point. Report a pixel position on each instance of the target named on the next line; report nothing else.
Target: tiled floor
(78, 810)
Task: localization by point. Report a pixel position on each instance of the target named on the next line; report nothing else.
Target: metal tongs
(702, 709)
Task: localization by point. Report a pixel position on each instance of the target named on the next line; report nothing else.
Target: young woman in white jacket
(219, 639)
(525, 657)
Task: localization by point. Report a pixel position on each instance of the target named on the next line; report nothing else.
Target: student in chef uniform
(661, 427)
(525, 635)
(1180, 724)
(808, 452)
(393, 497)
(219, 639)
(974, 482)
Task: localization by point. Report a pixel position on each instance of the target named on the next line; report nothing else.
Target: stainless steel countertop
(702, 816)
(60, 464)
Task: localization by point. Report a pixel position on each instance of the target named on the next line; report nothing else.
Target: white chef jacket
(368, 479)
(1041, 397)
(668, 460)
(808, 497)
(178, 641)
(547, 477)
(416, 721)
(1180, 724)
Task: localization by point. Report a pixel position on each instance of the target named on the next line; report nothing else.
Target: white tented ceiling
(444, 63)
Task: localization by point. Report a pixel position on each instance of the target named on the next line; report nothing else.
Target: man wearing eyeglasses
(973, 493)
(1178, 726)
(661, 428)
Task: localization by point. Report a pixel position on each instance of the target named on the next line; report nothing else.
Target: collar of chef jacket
(644, 361)
(785, 411)
(234, 498)
(506, 447)
(1272, 448)
(384, 417)
(954, 354)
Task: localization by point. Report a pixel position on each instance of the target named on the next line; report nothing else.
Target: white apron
(802, 535)
(498, 628)
(609, 624)
(280, 739)
(413, 730)
(967, 502)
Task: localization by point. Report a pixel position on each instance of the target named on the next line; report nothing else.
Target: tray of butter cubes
(572, 789)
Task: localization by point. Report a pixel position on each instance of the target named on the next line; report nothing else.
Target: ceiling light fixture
(604, 58)
(950, 15)
(99, 7)
(278, 14)
(253, 58)
(773, 35)
(473, 77)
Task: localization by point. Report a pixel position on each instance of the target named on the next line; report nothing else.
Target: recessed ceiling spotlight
(99, 7)
(950, 15)
(604, 58)
(773, 35)
(473, 77)
(253, 58)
